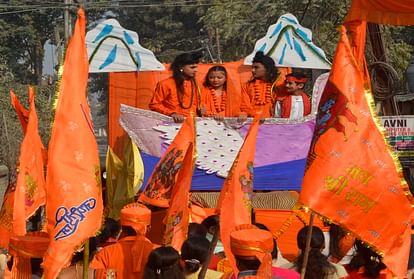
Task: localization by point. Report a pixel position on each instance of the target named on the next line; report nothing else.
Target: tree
(165, 27)
(241, 23)
(11, 134)
(23, 35)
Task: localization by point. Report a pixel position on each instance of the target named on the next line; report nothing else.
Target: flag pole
(210, 252)
(307, 247)
(85, 260)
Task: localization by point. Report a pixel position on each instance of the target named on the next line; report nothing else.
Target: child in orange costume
(179, 94)
(218, 95)
(258, 94)
(129, 256)
(297, 104)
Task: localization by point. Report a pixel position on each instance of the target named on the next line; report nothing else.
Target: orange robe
(253, 101)
(166, 101)
(119, 257)
(212, 104)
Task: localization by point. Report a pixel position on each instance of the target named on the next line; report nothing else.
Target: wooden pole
(213, 244)
(218, 46)
(85, 260)
(307, 247)
(67, 21)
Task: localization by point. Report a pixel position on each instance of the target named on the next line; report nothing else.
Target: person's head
(294, 82)
(195, 229)
(185, 65)
(211, 223)
(194, 253)
(252, 247)
(216, 77)
(135, 217)
(264, 67)
(368, 259)
(317, 238)
(111, 228)
(163, 262)
(318, 265)
(336, 233)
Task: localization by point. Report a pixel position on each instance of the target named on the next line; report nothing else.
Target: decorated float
(282, 144)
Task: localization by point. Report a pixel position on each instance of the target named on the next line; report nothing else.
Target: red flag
(74, 200)
(22, 112)
(30, 187)
(177, 217)
(159, 189)
(352, 177)
(234, 203)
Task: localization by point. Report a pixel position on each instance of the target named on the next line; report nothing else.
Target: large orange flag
(234, 205)
(178, 213)
(22, 112)
(73, 186)
(30, 186)
(352, 177)
(159, 189)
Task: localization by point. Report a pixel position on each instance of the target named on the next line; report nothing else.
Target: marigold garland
(258, 93)
(219, 105)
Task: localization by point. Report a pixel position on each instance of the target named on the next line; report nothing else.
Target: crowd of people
(217, 97)
(124, 251)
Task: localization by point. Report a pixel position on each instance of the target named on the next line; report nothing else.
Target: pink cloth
(284, 273)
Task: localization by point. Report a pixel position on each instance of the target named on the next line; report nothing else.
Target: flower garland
(258, 93)
(220, 106)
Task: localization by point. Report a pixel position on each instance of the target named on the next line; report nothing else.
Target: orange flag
(159, 188)
(74, 200)
(234, 205)
(352, 178)
(6, 215)
(22, 112)
(30, 187)
(177, 217)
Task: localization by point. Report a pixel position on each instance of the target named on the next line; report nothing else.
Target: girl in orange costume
(258, 94)
(218, 97)
(179, 94)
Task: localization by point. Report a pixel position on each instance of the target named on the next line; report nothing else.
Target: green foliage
(398, 48)
(165, 28)
(22, 36)
(240, 24)
(11, 134)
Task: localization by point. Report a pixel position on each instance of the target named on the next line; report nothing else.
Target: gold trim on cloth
(397, 164)
(249, 248)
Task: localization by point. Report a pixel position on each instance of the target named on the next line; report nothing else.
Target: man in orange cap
(128, 257)
(252, 249)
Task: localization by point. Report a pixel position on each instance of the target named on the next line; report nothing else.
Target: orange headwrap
(32, 245)
(252, 241)
(137, 216)
(296, 79)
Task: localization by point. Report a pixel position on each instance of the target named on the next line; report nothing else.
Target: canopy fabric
(393, 12)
